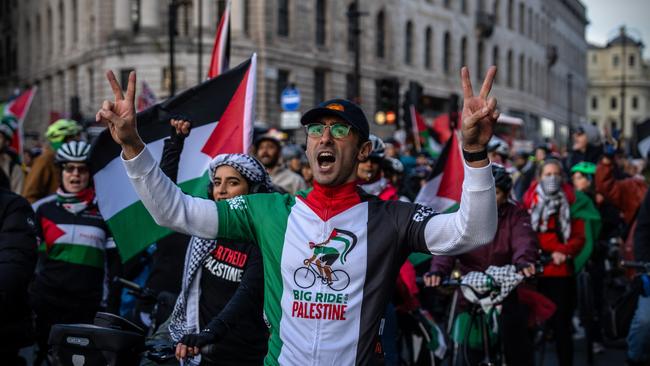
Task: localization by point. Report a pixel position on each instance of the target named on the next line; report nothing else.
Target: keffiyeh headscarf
(547, 205)
(251, 169)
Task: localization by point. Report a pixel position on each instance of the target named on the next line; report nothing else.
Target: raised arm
(475, 222)
(166, 203)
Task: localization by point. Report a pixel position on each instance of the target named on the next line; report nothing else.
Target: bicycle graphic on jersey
(337, 246)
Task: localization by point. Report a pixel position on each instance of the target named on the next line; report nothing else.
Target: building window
(495, 62)
(463, 51)
(511, 14)
(283, 18)
(594, 59)
(594, 102)
(91, 86)
(408, 43)
(479, 60)
(495, 12)
(522, 65)
(509, 69)
(352, 26)
(61, 21)
(75, 19)
(380, 40)
(428, 40)
(319, 86)
(124, 77)
(631, 61)
(446, 52)
(349, 87)
(612, 103)
(463, 6)
(522, 15)
(281, 84)
(135, 17)
(635, 102)
(446, 3)
(530, 23)
(320, 22)
(615, 60)
(246, 16)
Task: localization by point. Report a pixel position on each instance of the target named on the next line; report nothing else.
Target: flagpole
(200, 63)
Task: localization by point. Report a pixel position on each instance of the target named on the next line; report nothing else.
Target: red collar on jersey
(328, 202)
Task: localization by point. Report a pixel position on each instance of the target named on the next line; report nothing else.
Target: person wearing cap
(44, 177)
(267, 150)
(11, 174)
(312, 321)
(370, 175)
(292, 156)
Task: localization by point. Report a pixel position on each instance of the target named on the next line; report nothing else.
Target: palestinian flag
(221, 48)
(12, 115)
(422, 136)
(443, 190)
(221, 111)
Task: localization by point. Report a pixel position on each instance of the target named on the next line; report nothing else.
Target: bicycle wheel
(340, 280)
(304, 277)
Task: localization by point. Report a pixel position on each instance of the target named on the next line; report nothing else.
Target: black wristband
(475, 156)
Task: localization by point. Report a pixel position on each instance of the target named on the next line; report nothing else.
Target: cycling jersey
(315, 321)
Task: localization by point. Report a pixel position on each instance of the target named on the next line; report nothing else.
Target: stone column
(122, 12)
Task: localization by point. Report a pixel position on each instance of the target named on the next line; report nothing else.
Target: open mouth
(325, 159)
(75, 181)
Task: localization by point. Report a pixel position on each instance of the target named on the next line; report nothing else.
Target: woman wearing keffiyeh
(561, 236)
(221, 297)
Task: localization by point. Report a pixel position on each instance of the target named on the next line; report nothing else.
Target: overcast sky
(606, 16)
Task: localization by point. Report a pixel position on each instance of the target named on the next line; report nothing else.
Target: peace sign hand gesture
(479, 112)
(120, 116)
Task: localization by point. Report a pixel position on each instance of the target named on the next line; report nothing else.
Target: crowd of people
(339, 204)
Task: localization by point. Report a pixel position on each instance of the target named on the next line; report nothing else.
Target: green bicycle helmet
(584, 167)
(59, 130)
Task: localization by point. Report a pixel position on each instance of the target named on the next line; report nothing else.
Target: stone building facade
(538, 46)
(612, 69)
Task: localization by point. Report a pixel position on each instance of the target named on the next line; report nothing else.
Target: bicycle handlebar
(642, 266)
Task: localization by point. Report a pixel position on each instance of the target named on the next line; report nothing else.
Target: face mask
(551, 184)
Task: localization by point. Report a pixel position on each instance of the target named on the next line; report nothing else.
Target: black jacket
(642, 232)
(17, 261)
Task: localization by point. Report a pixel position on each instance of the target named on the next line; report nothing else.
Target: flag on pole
(221, 111)
(12, 115)
(221, 48)
(443, 189)
(147, 98)
(421, 135)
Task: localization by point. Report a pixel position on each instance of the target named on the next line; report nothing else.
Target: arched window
(495, 62)
(380, 40)
(283, 18)
(428, 47)
(510, 14)
(320, 22)
(408, 43)
(463, 51)
(496, 12)
(75, 21)
(446, 52)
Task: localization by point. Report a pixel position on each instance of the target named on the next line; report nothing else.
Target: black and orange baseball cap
(342, 108)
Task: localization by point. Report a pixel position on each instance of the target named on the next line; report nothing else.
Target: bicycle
(305, 277)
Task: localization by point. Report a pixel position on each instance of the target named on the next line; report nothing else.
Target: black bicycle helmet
(502, 178)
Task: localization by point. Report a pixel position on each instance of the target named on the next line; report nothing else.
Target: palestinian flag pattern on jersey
(315, 320)
(221, 112)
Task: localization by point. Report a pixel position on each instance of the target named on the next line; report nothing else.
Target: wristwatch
(475, 156)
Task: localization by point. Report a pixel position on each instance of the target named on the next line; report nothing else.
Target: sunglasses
(337, 130)
(79, 168)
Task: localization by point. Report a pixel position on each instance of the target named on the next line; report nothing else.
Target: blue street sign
(290, 99)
